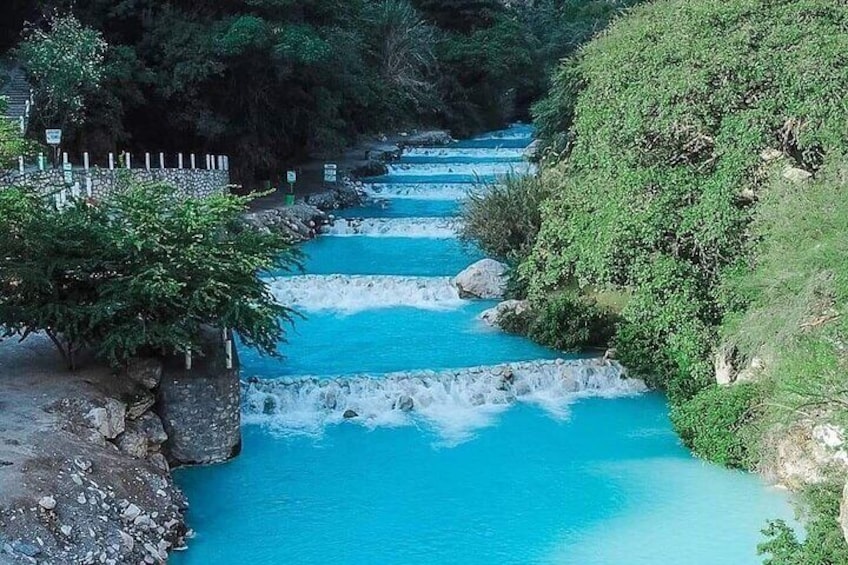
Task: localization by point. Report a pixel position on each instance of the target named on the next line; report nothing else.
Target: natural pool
(552, 478)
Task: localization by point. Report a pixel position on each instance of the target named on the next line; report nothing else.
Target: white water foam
(433, 228)
(354, 293)
(454, 403)
(418, 191)
(478, 169)
(442, 152)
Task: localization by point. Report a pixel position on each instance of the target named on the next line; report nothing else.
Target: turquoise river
(446, 466)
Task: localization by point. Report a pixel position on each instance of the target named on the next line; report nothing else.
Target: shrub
(144, 272)
(710, 423)
(503, 218)
(569, 321)
(824, 543)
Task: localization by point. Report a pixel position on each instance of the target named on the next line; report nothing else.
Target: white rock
(66, 530)
(47, 502)
(131, 512)
(127, 540)
(484, 279)
(109, 421)
(492, 315)
(795, 174)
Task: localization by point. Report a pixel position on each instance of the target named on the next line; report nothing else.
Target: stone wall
(191, 183)
(201, 407)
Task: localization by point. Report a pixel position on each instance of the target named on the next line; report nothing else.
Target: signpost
(291, 178)
(54, 139)
(68, 171)
(330, 172)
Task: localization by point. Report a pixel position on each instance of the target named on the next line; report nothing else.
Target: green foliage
(141, 273)
(569, 321)
(710, 423)
(824, 543)
(12, 142)
(664, 131)
(65, 64)
(503, 218)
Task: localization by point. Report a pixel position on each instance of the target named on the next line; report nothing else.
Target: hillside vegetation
(696, 170)
(269, 82)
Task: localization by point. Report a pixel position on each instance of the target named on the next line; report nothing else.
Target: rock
(493, 315)
(82, 464)
(131, 512)
(133, 443)
(484, 279)
(795, 174)
(127, 540)
(770, 154)
(109, 421)
(370, 168)
(348, 414)
(405, 403)
(66, 530)
(140, 403)
(47, 502)
(24, 548)
(158, 460)
(725, 372)
(145, 371)
(432, 138)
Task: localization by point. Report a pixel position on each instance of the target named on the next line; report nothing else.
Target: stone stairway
(18, 94)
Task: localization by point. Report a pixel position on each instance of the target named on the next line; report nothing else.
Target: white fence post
(89, 187)
(41, 161)
(180, 161)
(193, 161)
(64, 158)
(21, 164)
(161, 160)
(85, 161)
(128, 158)
(111, 161)
(147, 161)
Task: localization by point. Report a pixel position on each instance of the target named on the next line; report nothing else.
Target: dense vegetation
(141, 273)
(696, 168)
(268, 81)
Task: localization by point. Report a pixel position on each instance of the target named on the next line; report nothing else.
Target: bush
(824, 543)
(569, 321)
(142, 273)
(710, 423)
(503, 218)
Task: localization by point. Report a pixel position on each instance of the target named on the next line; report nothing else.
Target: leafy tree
(142, 273)
(65, 63)
(12, 142)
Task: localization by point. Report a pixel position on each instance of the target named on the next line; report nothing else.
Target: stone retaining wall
(191, 183)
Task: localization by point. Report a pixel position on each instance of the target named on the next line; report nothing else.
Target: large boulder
(492, 316)
(484, 279)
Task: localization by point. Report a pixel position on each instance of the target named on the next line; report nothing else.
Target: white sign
(330, 171)
(68, 169)
(291, 177)
(54, 136)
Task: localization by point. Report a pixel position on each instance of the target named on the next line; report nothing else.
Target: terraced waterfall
(401, 429)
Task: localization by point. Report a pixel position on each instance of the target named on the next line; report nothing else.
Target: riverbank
(81, 472)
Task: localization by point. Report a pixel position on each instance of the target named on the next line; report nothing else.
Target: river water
(567, 465)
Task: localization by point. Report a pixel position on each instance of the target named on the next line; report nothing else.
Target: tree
(140, 274)
(65, 64)
(12, 142)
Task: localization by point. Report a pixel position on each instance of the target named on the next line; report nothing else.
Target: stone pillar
(201, 407)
